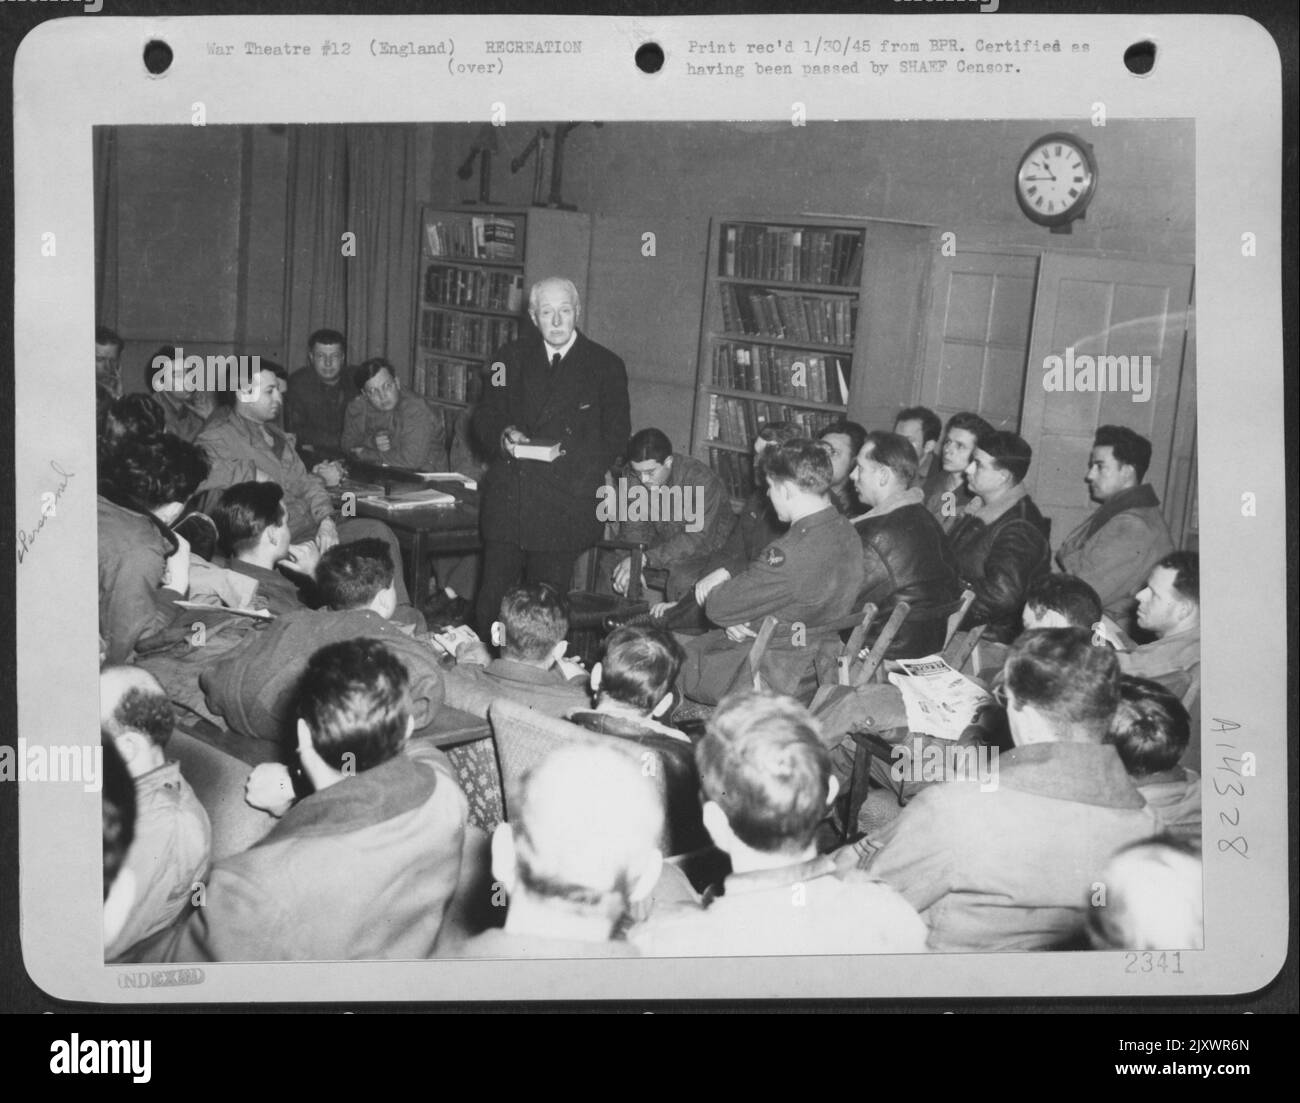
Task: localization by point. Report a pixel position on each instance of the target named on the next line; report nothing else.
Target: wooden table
(423, 531)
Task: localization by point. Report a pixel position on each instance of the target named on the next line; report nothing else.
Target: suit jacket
(551, 506)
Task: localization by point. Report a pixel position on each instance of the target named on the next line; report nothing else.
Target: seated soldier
(531, 635)
(1155, 899)
(921, 428)
(767, 785)
(144, 567)
(807, 579)
(363, 867)
(633, 684)
(905, 556)
(1170, 608)
(318, 395)
(756, 526)
(1150, 730)
(1052, 601)
(133, 417)
(185, 411)
(386, 425)
(172, 842)
(108, 359)
(253, 528)
(1008, 866)
(1000, 540)
(581, 850)
(244, 445)
(252, 687)
(1115, 549)
(843, 441)
(945, 489)
(689, 518)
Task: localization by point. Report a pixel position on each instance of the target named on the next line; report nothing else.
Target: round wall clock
(1056, 179)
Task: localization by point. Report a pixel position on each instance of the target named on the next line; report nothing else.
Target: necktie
(555, 362)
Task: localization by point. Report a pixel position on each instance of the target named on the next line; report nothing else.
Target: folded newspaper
(940, 701)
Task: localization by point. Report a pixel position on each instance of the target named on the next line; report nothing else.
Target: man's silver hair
(535, 293)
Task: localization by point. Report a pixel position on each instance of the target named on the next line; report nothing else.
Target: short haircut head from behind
(1129, 448)
(1066, 594)
(584, 820)
(803, 462)
(245, 511)
(1186, 566)
(1150, 728)
(536, 618)
(639, 666)
(1009, 452)
(763, 763)
(1065, 677)
(649, 444)
(354, 696)
(349, 576)
(892, 451)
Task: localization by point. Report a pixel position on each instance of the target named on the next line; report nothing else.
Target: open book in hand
(940, 701)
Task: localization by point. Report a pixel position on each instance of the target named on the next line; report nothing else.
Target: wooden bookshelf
(809, 320)
(476, 265)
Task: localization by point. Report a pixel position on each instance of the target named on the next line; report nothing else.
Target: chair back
(524, 737)
(876, 655)
(962, 645)
(757, 652)
(954, 621)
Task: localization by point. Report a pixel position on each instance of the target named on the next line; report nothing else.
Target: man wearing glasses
(385, 425)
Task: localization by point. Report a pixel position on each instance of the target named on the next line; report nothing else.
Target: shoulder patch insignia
(773, 556)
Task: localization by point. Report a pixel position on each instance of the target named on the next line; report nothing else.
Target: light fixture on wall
(485, 144)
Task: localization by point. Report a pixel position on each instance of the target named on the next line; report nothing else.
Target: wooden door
(1096, 307)
(978, 336)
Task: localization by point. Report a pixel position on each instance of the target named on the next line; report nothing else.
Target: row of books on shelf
(440, 377)
(788, 315)
(484, 289)
(447, 331)
(481, 237)
(735, 470)
(792, 254)
(738, 420)
(769, 370)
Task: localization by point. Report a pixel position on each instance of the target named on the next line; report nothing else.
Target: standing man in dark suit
(550, 385)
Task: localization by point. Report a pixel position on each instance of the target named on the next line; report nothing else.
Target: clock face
(1056, 180)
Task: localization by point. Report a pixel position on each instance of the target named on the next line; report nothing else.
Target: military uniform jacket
(584, 405)
(810, 576)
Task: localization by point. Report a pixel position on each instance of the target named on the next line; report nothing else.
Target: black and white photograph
(760, 543)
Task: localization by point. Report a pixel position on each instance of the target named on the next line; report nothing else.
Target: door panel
(978, 335)
(1097, 307)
